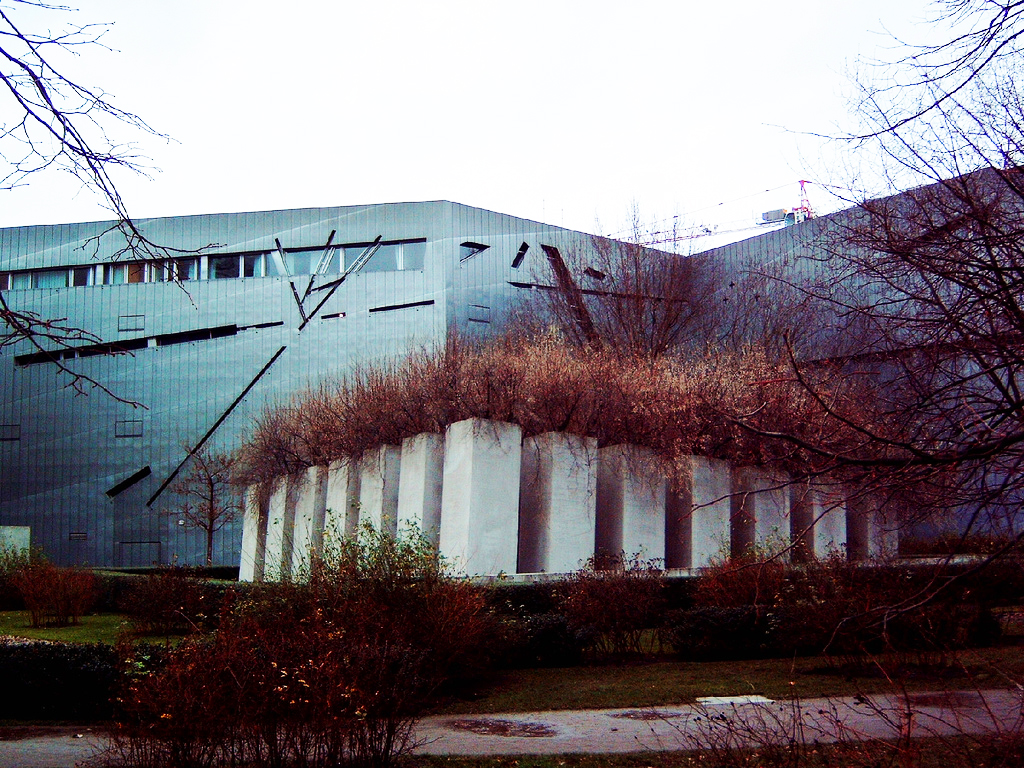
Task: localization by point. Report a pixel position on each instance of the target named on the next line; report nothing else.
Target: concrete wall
(420, 484)
(494, 503)
(480, 498)
(631, 490)
(378, 488)
(557, 503)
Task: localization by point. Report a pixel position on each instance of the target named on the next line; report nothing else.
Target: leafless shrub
(676, 406)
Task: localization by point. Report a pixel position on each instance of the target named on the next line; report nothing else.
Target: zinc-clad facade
(89, 474)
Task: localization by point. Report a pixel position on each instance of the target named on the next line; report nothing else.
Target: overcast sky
(572, 113)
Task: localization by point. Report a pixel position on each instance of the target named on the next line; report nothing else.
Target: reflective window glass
(299, 262)
(21, 280)
(253, 266)
(115, 274)
(81, 276)
(51, 278)
(222, 267)
(413, 255)
(384, 260)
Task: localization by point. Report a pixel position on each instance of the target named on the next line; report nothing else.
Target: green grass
(95, 628)
(675, 682)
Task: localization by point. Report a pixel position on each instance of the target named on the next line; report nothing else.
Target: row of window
(387, 257)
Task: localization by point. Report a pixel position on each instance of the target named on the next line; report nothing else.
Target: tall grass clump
(675, 406)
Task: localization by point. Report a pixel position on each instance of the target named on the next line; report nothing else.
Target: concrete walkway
(742, 721)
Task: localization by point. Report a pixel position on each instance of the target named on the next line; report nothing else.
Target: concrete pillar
(342, 500)
(310, 506)
(697, 513)
(480, 498)
(280, 530)
(818, 519)
(421, 479)
(869, 534)
(254, 537)
(760, 511)
(557, 503)
(630, 503)
(378, 488)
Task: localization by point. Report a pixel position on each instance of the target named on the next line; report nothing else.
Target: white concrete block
(280, 530)
(557, 503)
(698, 513)
(420, 482)
(817, 519)
(869, 534)
(342, 500)
(631, 490)
(378, 488)
(254, 537)
(480, 498)
(760, 511)
(310, 506)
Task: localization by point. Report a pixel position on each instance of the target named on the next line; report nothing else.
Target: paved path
(664, 728)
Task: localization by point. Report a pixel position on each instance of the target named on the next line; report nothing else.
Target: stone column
(280, 530)
(420, 482)
(480, 498)
(557, 503)
(698, 513)
(378, 488)
(630, 503)
(760, 511)
(869, 534)
(308, 538)
(254, 537)
(818, 519)
(342, 502)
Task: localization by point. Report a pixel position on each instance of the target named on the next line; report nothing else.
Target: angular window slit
(78, 536)
(411, 304)
(520, 255)
(471, 249)
(332, 316)
(129, 481)
(594, 273)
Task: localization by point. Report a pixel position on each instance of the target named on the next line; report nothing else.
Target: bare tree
(209, 501)
(926, 287)
(49, 121)
(629, 298)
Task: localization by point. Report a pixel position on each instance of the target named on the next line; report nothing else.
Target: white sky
(571, 113)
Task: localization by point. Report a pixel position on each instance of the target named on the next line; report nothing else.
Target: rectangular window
(10, 432)
(389, 257)
(384, 260)
(50, 278)
(115, 274)
(81, 276)
(185, 269)
(300, 262)
(136, 272)
(413, 255)
(128, 428)
(5, 281)
(222, 267)
(253, 266)
(21, 281)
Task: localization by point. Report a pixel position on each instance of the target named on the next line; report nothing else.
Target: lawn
(94, 628)
(679, 682)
